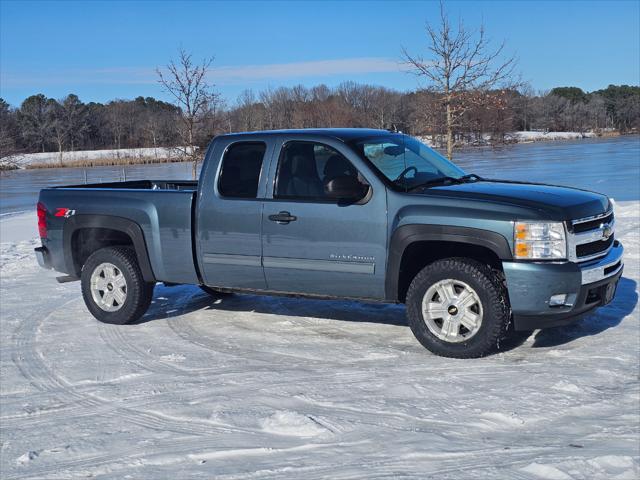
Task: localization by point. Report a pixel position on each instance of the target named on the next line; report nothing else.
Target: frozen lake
(610, 166)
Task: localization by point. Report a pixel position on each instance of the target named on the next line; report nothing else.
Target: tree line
(42, 124)
(472, 95)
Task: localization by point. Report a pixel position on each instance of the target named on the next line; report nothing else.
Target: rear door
(229, 214)
(313, 244)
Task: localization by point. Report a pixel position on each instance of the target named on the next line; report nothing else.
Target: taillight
(42, 220)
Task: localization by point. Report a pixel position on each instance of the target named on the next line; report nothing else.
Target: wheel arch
(84, 234)
(412, 247)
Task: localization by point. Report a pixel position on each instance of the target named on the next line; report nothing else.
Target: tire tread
(500, 311)
(139, 292)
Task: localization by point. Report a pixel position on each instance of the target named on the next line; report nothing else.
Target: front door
(313, 244)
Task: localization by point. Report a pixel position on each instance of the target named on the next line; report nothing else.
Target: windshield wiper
(471, 177)
(433, 183)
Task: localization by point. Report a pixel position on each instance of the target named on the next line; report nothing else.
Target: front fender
(408, 234)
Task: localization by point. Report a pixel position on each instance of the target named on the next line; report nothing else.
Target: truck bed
(162, 208)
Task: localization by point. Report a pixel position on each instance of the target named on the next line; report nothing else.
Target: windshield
(405, 161)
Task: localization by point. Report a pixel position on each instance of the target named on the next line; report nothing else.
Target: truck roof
(344, 134)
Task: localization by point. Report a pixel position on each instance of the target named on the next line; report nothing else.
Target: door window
(305, 168)
(241, 168)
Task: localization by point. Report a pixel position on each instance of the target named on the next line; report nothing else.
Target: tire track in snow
(458, 464)
(116, 339)
(83, 405)
(183, 451)
(80, 404)
(31, 364)
(186, 328)
(344, 415)
(77, 403)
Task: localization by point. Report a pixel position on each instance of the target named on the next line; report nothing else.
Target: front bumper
(587, 286)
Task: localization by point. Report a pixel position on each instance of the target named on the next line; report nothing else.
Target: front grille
(592, 248)
(592, 224)
(591, 238)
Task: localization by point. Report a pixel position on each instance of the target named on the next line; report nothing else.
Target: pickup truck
(365, 214)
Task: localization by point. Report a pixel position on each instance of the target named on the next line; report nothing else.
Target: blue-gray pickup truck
(342, 213)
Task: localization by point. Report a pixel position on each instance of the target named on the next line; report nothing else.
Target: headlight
(539, 241)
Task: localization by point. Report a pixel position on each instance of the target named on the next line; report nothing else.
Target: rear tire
(113, 287)
(458, 308)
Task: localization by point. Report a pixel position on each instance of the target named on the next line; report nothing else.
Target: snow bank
(263, 387)
(540, 136)
(517, 137)
(80, 156)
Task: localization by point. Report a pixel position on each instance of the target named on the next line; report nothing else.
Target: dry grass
(107, 162)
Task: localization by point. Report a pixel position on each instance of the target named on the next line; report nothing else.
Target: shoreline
(95, 158)
(528, 137)
(92, 164)
(106, 162)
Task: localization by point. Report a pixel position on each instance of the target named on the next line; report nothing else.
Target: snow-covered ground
(70, 158)
(254, 387)
(519, 137)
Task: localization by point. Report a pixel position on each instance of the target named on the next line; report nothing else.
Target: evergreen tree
(75, 120)
(34, 122)
(573, 94)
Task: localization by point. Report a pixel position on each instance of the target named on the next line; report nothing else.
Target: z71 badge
(64, 212)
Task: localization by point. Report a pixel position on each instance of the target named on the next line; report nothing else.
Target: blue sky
(106, 50)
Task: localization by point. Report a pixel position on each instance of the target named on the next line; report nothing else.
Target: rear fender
(120, 224)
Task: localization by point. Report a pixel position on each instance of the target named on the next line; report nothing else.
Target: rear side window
(241, 168)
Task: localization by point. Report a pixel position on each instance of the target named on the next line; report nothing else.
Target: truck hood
(561, 203)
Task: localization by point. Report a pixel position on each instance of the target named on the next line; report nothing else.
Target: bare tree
(460, 61)
(523, 105)
(116, 113)
(247, 111)
(57, 128)
(186, 81)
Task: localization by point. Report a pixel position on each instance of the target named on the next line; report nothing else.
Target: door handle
(283, 218)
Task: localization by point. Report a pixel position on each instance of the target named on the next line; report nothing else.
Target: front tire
(113, 287)
(458, 308)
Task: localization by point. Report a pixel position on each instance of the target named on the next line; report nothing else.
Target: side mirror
(345, 188)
